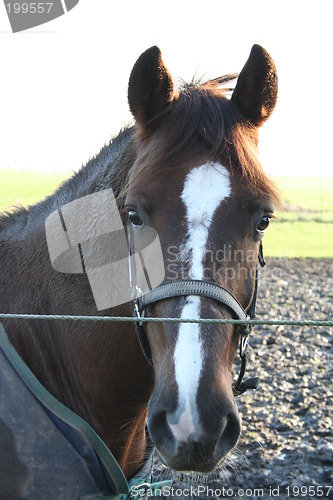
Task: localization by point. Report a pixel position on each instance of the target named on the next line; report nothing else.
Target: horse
(187, 168)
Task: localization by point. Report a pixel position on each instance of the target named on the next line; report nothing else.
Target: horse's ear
(150, 87)
(256, 90)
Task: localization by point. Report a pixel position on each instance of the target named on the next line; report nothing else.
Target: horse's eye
(264, 223)
(134, 218)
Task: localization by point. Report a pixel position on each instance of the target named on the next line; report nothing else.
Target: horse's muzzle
(203, 449)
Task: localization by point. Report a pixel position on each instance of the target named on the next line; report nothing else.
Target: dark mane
(201, 119)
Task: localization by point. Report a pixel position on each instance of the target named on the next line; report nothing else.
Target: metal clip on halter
(137, 313)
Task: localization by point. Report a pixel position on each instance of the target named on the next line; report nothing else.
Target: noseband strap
(195, 287)
(207, 289)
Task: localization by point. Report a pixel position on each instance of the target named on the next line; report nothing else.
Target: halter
(207, 289)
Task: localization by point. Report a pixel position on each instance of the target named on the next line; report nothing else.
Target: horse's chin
(194, 461)
(188, 468)
(192, 469)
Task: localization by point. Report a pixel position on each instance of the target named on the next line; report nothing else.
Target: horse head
(198, 183)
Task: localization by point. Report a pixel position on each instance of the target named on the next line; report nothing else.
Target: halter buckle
(137, 312)
(137, 293)
(243, 345)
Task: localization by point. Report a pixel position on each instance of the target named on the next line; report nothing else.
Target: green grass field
(304, 229)
(26, 188)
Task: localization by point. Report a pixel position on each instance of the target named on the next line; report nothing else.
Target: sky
(63, 85)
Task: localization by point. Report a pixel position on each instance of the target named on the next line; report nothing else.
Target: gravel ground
(287, 444)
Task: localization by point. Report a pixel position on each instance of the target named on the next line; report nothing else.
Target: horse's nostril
(160, 431)
(230, 434)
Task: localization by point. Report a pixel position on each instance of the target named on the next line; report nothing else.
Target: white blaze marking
(205, 188)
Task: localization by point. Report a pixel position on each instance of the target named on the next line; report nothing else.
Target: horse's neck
(99, 372)
(110, 387)
(95, 369)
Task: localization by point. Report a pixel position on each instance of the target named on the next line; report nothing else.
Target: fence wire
(130, 319)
